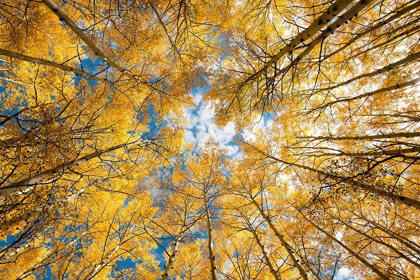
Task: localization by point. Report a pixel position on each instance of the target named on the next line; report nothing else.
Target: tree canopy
(99, 178)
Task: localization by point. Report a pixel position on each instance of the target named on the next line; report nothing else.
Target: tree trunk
(52, 64)
(171, 259)
(402, 62)
(73, 26)
(328, 31)
(48, 259)
(377, 241)
(31, 181)
(367, 188)
(357, 256)
(377, 26)
(367, 137)
(209, 237)
(406, 242)
(367, 94)
(267, 259)
(282, 240)
(317, 25)
(97, 268)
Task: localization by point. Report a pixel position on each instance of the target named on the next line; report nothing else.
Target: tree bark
(34, 180)
(367, 94)
(52, 64)
(48, 259)
(209, 237)
(97, 268)
(398, 252)
(73, 26)
(357, 256)
(366, 137)
(172, 256)
(328, 31)
(377, 26)
(406, 242)
(282, 240)
(267, 259)
(410, 58)
(317, 25)
(367, 188)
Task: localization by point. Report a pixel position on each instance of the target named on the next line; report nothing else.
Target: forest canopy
(191, 139)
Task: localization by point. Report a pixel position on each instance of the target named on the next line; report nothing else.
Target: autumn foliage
(97, 180)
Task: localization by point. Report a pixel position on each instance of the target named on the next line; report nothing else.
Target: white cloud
(344, 274)
(197, 97)
(189, 136)
(201, 126)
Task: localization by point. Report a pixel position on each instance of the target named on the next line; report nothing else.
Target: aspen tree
(98, 179)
